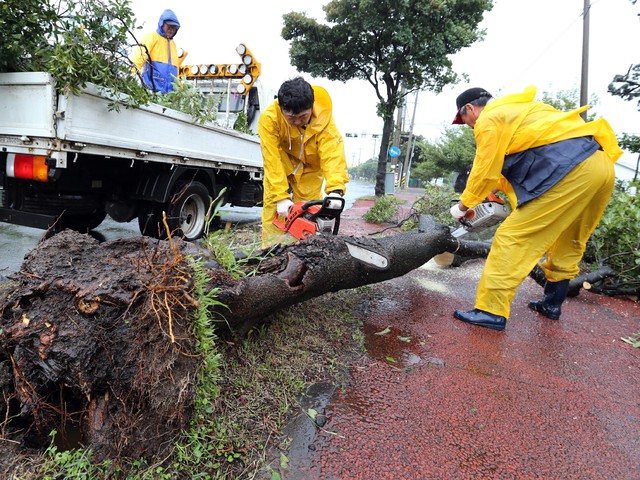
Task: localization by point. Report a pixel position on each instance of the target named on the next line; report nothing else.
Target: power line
(553, 43)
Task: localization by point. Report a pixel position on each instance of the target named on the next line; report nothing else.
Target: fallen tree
(98, 339)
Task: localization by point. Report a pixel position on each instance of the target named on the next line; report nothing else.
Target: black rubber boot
(481, 318)
(554, 295)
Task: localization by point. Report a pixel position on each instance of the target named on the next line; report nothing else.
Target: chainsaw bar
(367, 255)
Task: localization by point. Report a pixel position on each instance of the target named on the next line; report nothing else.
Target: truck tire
(186, 214)
(84, 222)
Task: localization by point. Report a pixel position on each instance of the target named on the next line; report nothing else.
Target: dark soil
(95, 345)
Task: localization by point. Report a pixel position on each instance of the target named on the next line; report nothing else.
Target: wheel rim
(192, 216)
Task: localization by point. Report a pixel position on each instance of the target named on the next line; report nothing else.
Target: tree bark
(323, 264)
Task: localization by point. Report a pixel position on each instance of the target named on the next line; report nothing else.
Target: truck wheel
(187, 213)
(150, 220)
(84, 222)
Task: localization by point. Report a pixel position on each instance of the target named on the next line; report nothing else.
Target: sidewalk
(439, 399)
(351, 222)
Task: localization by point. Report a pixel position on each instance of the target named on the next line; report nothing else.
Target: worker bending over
(557, 170)
(301, 148)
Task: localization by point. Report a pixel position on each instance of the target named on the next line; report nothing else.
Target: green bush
(436, 201)
(616, 240)
(385, 209)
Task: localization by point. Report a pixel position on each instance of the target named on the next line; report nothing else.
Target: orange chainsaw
(312, 218)
(484, 215)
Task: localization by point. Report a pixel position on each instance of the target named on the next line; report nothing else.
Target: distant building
(626, 167)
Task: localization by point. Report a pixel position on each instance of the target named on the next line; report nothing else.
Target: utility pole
(584, 90)
(406, 167)
(399, 124)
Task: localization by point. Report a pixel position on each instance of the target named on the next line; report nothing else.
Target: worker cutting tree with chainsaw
(557, 171)
(301, 148)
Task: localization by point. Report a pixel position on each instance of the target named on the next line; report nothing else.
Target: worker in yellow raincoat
(557, 171)
(301, 148)
(157, 58)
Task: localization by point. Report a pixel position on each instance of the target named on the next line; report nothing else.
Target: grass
(265, 374)
(634, 340)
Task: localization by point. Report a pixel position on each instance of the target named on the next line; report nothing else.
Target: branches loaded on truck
(68, 161)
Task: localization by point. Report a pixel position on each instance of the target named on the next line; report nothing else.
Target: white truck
(67, 161)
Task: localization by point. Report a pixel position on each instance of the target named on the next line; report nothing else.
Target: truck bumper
(26, 219)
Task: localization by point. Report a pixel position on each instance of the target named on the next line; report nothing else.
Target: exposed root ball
(100, 344)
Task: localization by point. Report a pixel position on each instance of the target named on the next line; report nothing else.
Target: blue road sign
(394, 152)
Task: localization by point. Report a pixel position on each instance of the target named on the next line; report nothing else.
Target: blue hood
(167, 15)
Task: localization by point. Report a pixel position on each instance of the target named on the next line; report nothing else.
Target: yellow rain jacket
(536, 124)
(300, 158)
(554, 224)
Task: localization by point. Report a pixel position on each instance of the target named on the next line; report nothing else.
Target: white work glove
(334, 203)
(283, 206)
(457, 212)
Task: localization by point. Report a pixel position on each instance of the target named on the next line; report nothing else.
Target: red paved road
(438, 399)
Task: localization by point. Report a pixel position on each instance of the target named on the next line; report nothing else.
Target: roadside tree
(398, 47)
(453, 152)
(365, 171)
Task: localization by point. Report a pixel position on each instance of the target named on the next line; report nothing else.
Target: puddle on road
(395, 347)
(390, 345)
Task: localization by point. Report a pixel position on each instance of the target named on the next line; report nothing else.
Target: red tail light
(30, 167)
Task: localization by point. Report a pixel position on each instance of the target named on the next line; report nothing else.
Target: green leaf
(284, 461)
(634, 342)
(404, 339)
(391, 359)
(383, 332)
(312, 413)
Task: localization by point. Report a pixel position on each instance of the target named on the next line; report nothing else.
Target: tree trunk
(323, 264)
(387, 129)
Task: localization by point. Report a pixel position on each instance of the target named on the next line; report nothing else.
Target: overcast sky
(527, 43)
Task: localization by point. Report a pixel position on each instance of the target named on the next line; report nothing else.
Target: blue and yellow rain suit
(157, 58)
(557, 170)
(300, 159)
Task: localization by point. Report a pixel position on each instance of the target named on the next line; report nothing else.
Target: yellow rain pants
(558, 224)
(311, 183)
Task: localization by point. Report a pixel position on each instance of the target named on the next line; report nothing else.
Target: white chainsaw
(484, 215)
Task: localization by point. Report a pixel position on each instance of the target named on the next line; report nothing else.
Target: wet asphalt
(435, 398)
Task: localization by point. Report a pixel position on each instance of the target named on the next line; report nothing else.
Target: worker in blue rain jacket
(157, 58)
(557, 171)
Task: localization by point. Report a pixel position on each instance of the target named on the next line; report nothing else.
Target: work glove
(283, 206)
(334, 203)
(457, 212)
